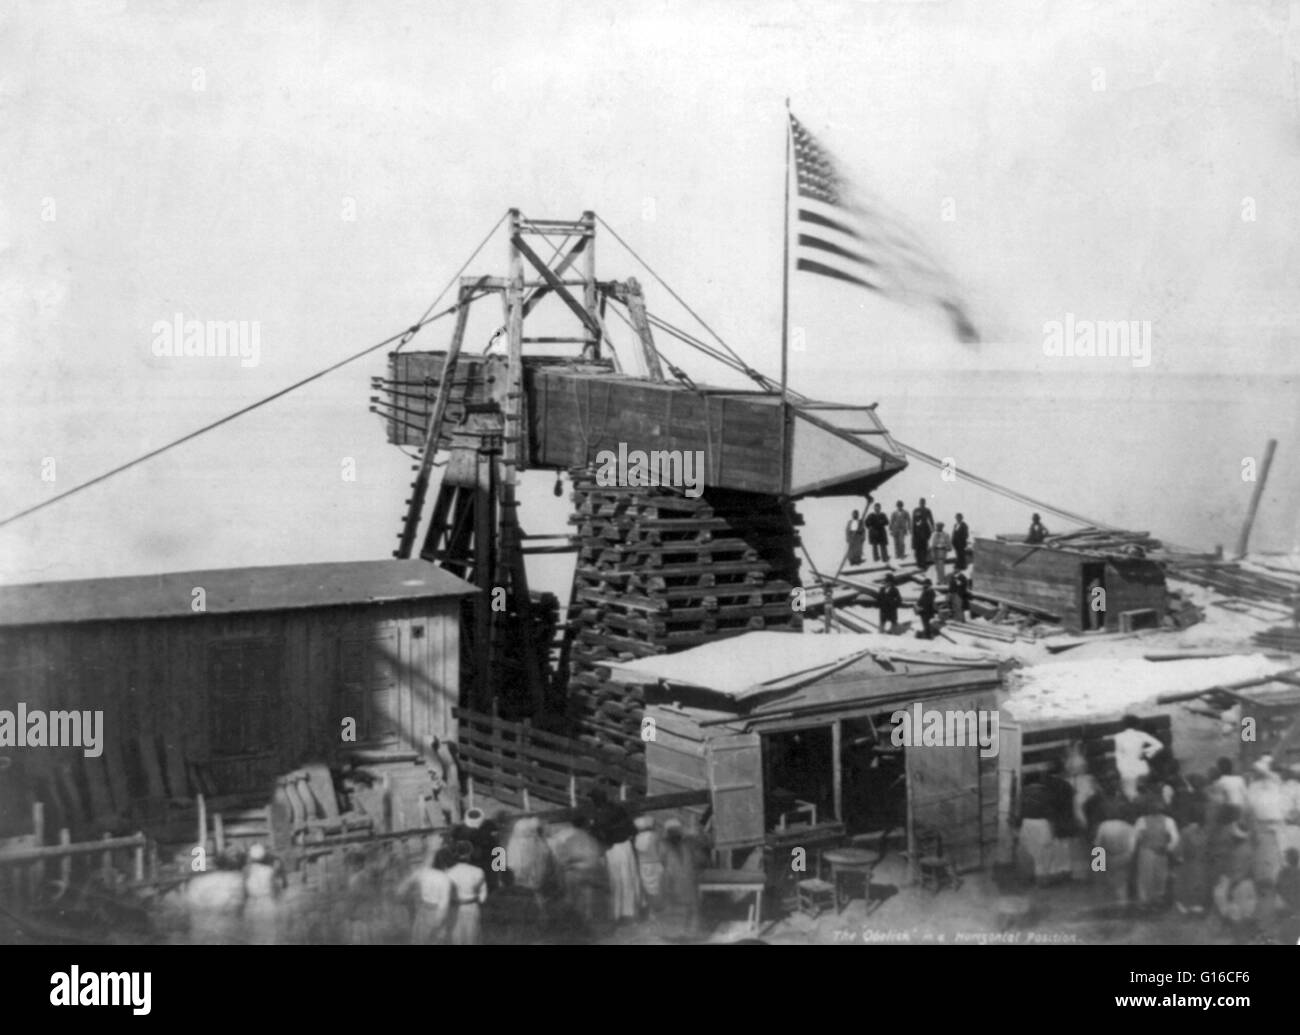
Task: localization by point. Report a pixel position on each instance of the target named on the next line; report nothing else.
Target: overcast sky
(1117, 161)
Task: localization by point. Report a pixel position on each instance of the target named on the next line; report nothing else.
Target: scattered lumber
(1283, 637)
(985, 629)
(1097, 540)
(1016, 605)
(1191, 653)
(1233, 580)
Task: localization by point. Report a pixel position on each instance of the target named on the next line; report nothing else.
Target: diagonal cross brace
(557, 285)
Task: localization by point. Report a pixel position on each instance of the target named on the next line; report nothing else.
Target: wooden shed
(220, 680)
(810, 755)
(1061, 581)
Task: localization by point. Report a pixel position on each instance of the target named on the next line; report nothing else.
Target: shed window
(244, 679)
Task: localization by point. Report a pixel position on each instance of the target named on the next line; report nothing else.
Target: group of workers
(597, 867)
(930, 546)
(235, 900)
(930, 541)
(1221, 844)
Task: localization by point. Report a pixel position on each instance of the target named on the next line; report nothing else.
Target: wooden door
(736, 787)
(943, 793)
(245, 680)
(1008, 787)
(370, 677)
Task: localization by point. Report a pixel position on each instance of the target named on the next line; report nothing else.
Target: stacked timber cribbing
(658, 572)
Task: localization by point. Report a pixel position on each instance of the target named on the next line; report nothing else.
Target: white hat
(257, 853)
(474, 818)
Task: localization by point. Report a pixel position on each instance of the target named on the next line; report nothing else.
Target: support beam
(837, 773)
(420, 487)
(590, 294)
(631, 296)
(1255, 497)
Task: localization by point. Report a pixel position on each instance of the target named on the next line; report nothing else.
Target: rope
(402, 338)
(455, 277)
(663, 284)
(1009, 493)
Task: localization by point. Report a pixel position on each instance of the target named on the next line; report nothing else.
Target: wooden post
(573, 790)
(837, 772)
(589, 293)
(65, 864)
(432, 431)
(218, 833)
(38, 831)
(785, 268)
(387, 806)
(139, 857)
(1262, 477)
(203, 824)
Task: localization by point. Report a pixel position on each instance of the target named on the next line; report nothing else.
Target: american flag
(842, 235)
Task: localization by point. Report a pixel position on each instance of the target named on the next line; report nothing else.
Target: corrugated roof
(277, 587)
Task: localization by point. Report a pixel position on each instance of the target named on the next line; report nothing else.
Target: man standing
(1037, 530)
(1267, 806)
(433, 910)
(854, 535)
(877, 523)
(960, 541)
(1133, 746)
(922, 529)
(959, 595)
(612, 826)
(900, 525)
(925, 609)
(469, 891)
(889, 600)
(939, 543)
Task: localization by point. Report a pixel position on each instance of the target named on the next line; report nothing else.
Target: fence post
(525, 741)
(203, 823)
(573, 790)
(65, 864)
(38, 831)
(139, 857)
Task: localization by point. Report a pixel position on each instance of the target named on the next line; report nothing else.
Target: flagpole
(785, 263)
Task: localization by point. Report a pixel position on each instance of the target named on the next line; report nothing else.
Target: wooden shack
(217, 681)
(1060, 582)
(808, 755)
